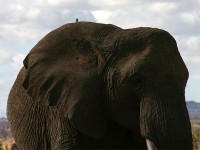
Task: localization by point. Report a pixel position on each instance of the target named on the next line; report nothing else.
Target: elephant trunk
(164, 119)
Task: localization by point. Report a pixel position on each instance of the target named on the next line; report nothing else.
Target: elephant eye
(135, 84)
(84, 45)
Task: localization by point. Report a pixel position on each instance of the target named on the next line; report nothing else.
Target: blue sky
(24, 22)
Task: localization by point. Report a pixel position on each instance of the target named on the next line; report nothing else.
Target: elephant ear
(65, 73)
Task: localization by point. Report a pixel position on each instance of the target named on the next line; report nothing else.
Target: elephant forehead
(148, 63)
(138, 46)
(158, 58)
(132, 62)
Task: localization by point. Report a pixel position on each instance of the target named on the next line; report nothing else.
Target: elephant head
(95, 72)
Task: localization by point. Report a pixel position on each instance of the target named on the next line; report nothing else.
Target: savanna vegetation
(6, 144)
(196, 139)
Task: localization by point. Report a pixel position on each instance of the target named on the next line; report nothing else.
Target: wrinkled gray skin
(88, 85)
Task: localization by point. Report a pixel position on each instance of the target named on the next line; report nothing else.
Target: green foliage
(196, 139)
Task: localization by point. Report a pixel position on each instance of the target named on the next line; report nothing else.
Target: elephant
(88, 85)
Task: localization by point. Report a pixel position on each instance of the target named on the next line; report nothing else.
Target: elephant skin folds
(88, 85)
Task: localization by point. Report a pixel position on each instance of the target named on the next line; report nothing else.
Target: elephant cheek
(164, 120)
(129, 118)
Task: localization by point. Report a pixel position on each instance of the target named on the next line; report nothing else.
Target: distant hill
(4, 128)
(3, 123)
(3, 119)
(194, 110)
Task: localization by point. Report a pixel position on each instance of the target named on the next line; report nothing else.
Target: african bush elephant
(90, 85)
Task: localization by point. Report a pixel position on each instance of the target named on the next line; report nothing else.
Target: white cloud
(196, 77)
(33, 13)
(114, 2)
(103, 15)
(163, 7)
(18, 61)
(191, 17)
(4, 55)
(195, 60)
(194, 43)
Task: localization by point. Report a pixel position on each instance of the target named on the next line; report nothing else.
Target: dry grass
(7, 143)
